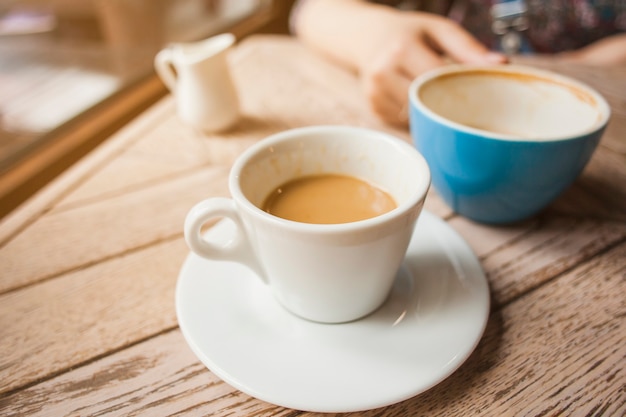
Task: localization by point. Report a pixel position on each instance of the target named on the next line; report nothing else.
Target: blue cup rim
(604, 109)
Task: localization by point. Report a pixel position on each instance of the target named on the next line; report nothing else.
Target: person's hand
(386, 46)
(405, 45)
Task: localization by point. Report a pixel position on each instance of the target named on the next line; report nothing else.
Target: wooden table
(89, 267)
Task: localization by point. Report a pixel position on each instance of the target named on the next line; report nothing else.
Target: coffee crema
(328, 199)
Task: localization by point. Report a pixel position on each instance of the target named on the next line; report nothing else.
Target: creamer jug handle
(163, 64)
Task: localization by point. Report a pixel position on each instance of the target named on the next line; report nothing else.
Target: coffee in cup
(324, 272)
(328, 199)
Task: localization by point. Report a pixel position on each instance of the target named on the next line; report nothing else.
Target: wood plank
(50, 195)
(486, 239)
(158, 155)
(87, 313)
(162, 377)
(71, 143)
(543, 253)
(71, 239)
(599, 191)
(170, 148)
(526, 353)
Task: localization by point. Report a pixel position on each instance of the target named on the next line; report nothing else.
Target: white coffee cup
(327, 273)
(198, 75)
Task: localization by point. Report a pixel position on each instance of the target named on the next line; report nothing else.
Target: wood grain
(87, 313)
(67, 146)
(72, 239)
(563, 358)
(525, 258)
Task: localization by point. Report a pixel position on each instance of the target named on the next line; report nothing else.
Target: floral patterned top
(546, 26)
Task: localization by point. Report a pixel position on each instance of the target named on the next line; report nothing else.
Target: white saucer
(429, 325)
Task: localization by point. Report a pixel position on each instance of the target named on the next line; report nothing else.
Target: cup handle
(163, 62)
(238, 250)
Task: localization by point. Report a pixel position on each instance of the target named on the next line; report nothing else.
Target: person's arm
(605, 52)
(387, 47)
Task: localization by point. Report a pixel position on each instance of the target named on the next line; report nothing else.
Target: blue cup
(502, 142)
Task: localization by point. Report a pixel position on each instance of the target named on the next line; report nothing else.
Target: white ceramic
(433, 319)
(322, 272)
(199, 77)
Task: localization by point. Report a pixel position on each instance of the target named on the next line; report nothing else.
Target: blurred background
(68, 63)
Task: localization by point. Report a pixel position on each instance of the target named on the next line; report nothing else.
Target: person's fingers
(385, 101)
(430, 44)
(386, 82)
(452, 40)
(391, 112)
(418, 58)
(386, 86)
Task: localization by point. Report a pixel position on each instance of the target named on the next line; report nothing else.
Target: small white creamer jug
(199, 77)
